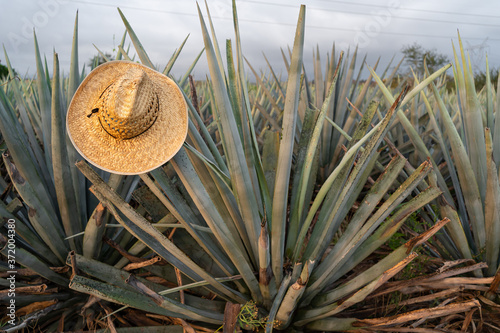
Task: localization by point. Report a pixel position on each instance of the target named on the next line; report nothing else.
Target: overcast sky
(380, 28)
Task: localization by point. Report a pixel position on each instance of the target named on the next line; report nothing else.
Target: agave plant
(230, 230)
(459, 128)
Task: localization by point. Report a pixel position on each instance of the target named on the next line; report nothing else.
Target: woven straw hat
(126, 118)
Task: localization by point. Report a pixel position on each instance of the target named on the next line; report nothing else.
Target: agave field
(318, 202)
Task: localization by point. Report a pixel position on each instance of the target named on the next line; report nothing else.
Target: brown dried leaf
(435, 312)
(33, 307)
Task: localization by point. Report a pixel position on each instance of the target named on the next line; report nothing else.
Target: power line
(278, 23)
(369, 14)
(410, 9)
(131, 7)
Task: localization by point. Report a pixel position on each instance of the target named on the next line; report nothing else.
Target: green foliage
(250, 318)
(396, 240)
(4, 72)
(416, 268)
(99, 59)
(481, 78)
(416, 54)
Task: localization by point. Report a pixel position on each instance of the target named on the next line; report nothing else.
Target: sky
(380, 28)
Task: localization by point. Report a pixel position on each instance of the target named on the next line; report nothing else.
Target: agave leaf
(214, 39)
(368, 275)
(268, 118)
(44, 101)
(184, 214)
(27, 234)
(218, 225)
(355, 230)
(310, 121)
(186, 265)
(455, 229)
(143, 230)
(94, 231)
(174, 57)
(492, 210)
(332, 324)
(285, 60)
(232, 89)
(119, 53)
(103, 272)
(490, 123)
(416, 90)
(195, 313)
(29, 124)
(266, 283)
(60, 164)
(386, 230)
(252, 151)
(325, 188)
(466, 175)
(318, 78)
(283, 168)
(339, 112)
(306, 316)
(183, 81)
(32, 262)
(306, 172)
(326, 226)
(292, 297)
(42, 217)
(276, 79)
(74, 78)
(27, 105)
(362, 279)
(333, 262)
(285, 282)
(415, 137)
(496, 132)
(124, 53)
(238, 168)
(137, 300)
(102, 54)
(137, 44)
(458, 191)
(266, 90)
(222, 176)
(449, 162)
(353, 114)
(396, 258)
(270, 150)
(77, 178)
(208, 141)
(474, 126)
(117, 277)
(422, 149)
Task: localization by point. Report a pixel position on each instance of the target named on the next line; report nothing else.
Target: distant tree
(415, 55)
(4, 71)
(480, 79)
(99, 60)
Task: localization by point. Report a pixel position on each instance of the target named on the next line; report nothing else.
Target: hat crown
(128, 106)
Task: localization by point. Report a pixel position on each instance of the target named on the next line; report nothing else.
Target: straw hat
(126, 118)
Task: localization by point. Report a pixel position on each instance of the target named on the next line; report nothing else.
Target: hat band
(131, 128)
(127, 138)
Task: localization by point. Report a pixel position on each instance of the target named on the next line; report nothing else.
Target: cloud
(265, 27)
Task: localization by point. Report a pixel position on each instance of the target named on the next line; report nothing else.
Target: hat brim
(137, 155)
